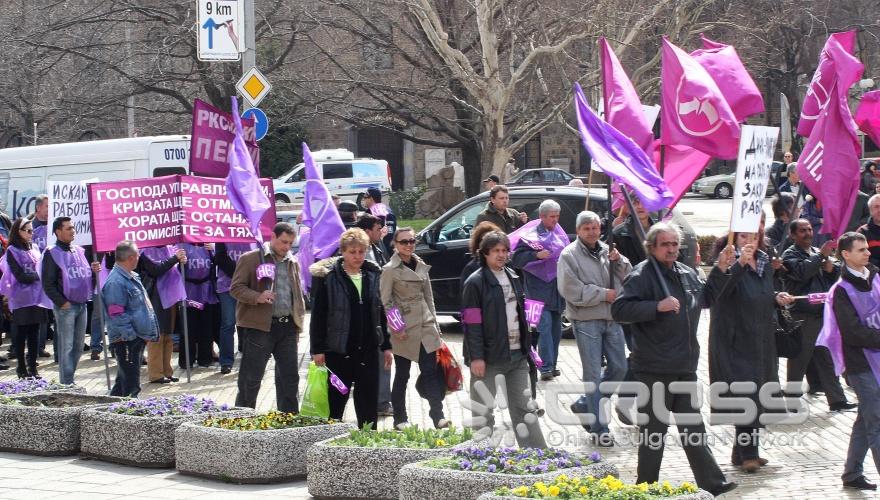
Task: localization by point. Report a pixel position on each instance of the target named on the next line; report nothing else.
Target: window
(298, 176)
(530, 178)
(337, 171)
(459, 226)
(552, 177)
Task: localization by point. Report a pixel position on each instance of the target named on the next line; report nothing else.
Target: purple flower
(465, 464)
(595, 457)
(491, 468)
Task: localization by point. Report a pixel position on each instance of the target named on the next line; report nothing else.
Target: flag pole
(641, 233)
(589, 186)
(99, 310)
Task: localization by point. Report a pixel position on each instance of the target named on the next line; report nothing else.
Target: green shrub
(403, 203)
(411, 437)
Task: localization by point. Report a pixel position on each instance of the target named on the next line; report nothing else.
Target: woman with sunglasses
(406, 286)
(27, 301)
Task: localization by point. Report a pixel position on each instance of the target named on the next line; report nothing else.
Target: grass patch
(417, 224)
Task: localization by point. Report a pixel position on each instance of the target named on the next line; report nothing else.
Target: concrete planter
(53, 389)
(263, 456)
(134, 440)
(356, 472)
(48, 423)
(417, 481)
(700, 495)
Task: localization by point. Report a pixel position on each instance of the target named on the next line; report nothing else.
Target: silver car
(722, 185)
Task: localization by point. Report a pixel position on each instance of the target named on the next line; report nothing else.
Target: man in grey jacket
(589, 277)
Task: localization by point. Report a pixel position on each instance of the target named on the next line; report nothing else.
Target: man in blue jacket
(131, 320)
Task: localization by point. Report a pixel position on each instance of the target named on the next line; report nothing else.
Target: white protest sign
(70, 199)
(756, 147)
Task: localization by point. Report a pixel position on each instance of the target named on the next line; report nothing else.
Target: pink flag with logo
(868, 115)
(834, 144)
(725, 67)
(836, 63)
(693, 110)
(623, 109)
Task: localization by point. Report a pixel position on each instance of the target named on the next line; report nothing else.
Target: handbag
(451, 369)
(788, 334)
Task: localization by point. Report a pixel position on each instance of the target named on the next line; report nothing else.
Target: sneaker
(442, 423)
(96, 355)
(401, 426)
(386, 410)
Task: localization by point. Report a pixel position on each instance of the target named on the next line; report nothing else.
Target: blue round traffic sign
(261, 121)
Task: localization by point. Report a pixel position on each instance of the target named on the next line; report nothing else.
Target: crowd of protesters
(621, 284)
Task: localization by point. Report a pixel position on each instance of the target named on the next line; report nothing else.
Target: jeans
(693, 437)
(279, 342)
(97, 336)
(384, 381)
(70, 334)
(128, 367)
(596, 338)
(549, 336)
(430, 385)
(866, 429)
(227, 329)
(515, 374)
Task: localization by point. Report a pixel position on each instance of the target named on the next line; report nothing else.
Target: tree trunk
(471, 159)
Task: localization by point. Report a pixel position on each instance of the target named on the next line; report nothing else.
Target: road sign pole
(249, 57)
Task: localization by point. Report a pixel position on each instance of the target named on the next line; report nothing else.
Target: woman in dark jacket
(869, 178)
(348, 325)
(28, 303)
(497, 340)
(742, 341)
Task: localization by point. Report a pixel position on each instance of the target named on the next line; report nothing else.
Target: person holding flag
(852, 336)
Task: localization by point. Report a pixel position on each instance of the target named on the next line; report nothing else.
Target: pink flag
(693, 110)
(836, 63)
(832, 143)
(724, 66)
(623, 109)
(682, 166)
(868, 115)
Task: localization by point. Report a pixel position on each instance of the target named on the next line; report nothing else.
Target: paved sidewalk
(805, 462)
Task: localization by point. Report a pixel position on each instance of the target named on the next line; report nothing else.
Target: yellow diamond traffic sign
(253, 86)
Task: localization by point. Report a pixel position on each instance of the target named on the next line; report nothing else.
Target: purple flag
(242, 184)
(619, 157)
(534, 308)
(836, 64)
(320, 238)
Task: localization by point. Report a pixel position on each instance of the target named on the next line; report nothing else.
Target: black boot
(21, 371)
(32, 372)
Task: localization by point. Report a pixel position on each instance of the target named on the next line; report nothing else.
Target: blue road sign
(210, 25)
(260, 119)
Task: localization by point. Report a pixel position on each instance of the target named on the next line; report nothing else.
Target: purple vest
(198, 267)
(235, 251)
(867, 306)
(76, 274)
(554, 241)
(40, 237)
(170, 284)
(21, 295)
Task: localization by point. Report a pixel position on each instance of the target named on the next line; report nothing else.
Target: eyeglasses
(407, 242)
(29, 231)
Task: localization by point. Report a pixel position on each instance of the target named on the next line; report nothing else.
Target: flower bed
(31, 385)
(470, 472)
(590, 488)
(365, 463)
(260, 449)
(141, 432)
(46, 423)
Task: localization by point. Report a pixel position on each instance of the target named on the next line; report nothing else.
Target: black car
(444, 243)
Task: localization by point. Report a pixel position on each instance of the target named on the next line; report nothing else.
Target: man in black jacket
(855, 317)
(665, 350)
(871, 230)
(811, 271)
(498, 213)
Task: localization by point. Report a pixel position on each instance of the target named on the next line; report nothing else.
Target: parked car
(343, 174)
(444, 243)
(541, 177)
(722, 185)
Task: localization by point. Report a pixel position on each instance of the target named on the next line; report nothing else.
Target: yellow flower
(561, 478)
(520, 491)
(688, 487)
(553, 491)
(440, 442)
(582, 490)
(643, 487)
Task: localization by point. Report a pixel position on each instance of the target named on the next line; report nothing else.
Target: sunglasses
(29, 231)
(407, 242)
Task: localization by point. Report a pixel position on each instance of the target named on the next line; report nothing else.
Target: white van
(343, 174)
(25, 170)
